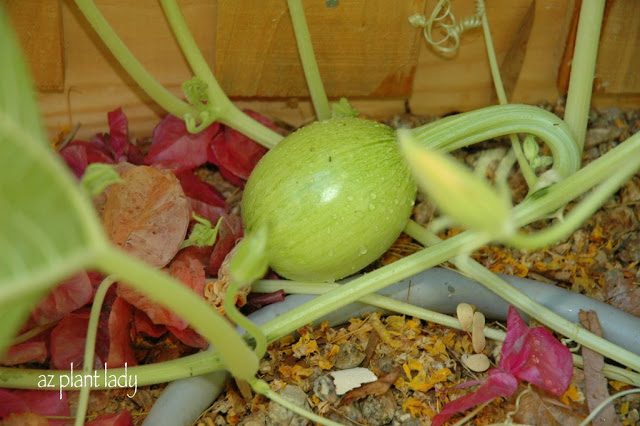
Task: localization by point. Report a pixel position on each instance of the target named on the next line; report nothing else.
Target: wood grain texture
(618, 67)
(38, 24)
(463, 83)
(363, 48)
(95, 82)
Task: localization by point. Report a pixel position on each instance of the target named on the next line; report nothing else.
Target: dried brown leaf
(147, 215)
(622, 292)
(536, 408)
(377, 388)
(595, 382)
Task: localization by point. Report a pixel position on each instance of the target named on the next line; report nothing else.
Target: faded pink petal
(190, 337)
(68, 339)
(41, 402)
(185, 268)
(195, 188)
(71, 294)
(143, 324)
(173, 147)
(235, 153)
(497, 384)
(79, 154)
(229, 233)
(207, 211)
(535, 356)
(35, 351)
(120, 349)
(118, 134)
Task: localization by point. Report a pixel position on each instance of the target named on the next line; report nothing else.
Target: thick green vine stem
(218, 105)
(309, 63)
(529, 175)
(464, 129)
(578, 215)
(239, 359)
(249, 263)
(134, 68)
(518, 299)
(576, 112)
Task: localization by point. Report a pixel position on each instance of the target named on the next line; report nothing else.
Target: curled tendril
(205, 120)
(442, 18)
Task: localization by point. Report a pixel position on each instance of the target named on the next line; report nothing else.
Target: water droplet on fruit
(330, 253)
(372, 206)
(396, 201)
(363, 250)
(350, 198)
(373, 195)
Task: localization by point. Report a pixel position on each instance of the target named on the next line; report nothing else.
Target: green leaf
(202, 233)
(457, 192)
(48, 229)
(342, 109)
(195, 90)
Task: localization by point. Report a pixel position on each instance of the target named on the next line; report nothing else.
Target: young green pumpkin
(333, 196)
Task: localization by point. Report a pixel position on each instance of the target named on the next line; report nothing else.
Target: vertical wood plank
(363, 48)
(38, 24)
(618, 67)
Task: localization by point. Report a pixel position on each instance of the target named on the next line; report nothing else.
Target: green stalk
(235, 315)
(578, 215)
(219, 105)
(382, 302)
(366, 284)
(308, 58)
(552, 198)
(529, 176)
(576, 113)
(151, 374)
(523, 302)
(464, 129)
(134, 68)
(90, 346)
(237, 356)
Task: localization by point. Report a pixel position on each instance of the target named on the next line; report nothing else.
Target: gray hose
(436, 289)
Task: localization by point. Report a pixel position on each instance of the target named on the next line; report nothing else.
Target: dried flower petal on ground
(147, 215)
(173, 147)
(530, 354)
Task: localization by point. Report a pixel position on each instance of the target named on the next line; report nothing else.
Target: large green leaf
(48, 229)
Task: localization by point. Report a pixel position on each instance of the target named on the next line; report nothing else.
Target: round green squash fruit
(333, 197)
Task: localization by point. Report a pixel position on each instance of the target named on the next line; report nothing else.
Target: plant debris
(418, 366)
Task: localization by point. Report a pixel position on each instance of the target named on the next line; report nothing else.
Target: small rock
(384, 363)
(278, 415)
(255, 419)
(598, 135)
(378, 411)
(325, 389)
(349, 356)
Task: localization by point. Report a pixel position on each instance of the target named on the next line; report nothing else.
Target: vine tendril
(442, 18)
